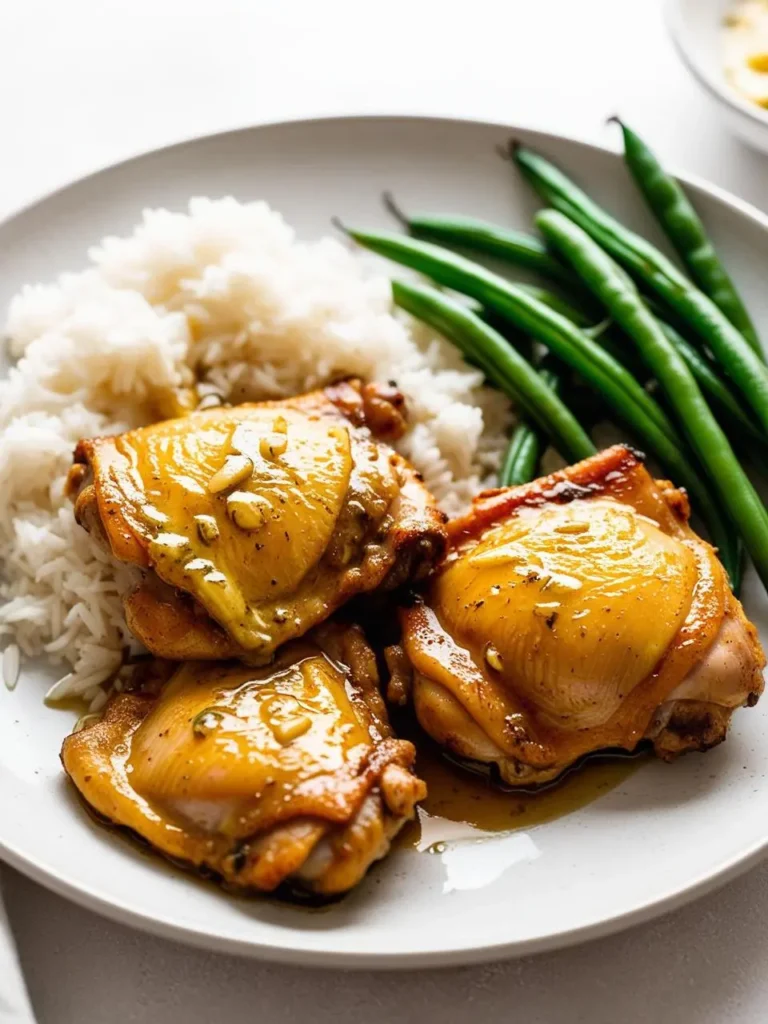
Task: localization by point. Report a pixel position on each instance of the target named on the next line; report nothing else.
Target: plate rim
(121, 912)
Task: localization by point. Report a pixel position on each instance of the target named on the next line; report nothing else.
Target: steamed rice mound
(227, 295)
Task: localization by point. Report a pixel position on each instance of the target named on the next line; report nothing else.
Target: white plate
(667, 833)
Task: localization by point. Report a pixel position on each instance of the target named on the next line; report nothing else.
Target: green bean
(708, 381)
(561, 337)
(519, 249)
(515, 247)
(616, 290)
(732, 351)
(600, 332)
(683, 227)
(596, 331)
(698, 364)
(513, 303)
(566, 308)
(527, 442)
(501, 363)
(522, 456)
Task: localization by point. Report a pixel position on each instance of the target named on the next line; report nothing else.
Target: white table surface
(84, 83)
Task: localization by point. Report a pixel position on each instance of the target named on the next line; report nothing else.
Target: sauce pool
(461, 802)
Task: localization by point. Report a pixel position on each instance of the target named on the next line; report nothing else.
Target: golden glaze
(555, 588)
(244, 754)
(459, 797)
(244, 771)
(568, 683)
(268, 515)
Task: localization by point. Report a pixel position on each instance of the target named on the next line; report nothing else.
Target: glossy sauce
(261, 513)
(461, 802)
(554, 630)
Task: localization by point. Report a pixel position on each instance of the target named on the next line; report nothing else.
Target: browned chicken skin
(578, 613)
(287, 774)
(255, 522)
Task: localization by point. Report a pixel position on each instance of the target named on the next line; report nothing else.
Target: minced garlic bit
(493, 658)
(207, 529)
(572, 527)
(236, 468)
(286, 731)
(206, 722)
(248, 511)
(273, 445)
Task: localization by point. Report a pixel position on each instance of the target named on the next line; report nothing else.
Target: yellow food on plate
(254, 522)
(579, 613)
(282, 775)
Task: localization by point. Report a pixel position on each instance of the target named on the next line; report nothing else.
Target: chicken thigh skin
(253, 523)
(288, 775)
(578, 613)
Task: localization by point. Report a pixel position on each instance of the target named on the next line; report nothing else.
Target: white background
(84, 83)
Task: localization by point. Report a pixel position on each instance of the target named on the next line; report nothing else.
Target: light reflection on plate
(472, 857)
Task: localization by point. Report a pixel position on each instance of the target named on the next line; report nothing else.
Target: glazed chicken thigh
(578, 613)
(254, 522)
(262, 776)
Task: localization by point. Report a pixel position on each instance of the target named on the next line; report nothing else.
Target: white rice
(226, 292)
